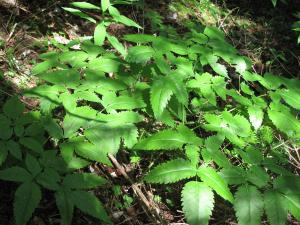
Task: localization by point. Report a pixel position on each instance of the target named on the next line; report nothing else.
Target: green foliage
(158, 94)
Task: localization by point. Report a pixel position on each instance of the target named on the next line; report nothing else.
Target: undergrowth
(224, 124)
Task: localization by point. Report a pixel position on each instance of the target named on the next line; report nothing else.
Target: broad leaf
(83, 181)
(211, 178)
(99, 34)
(248, 205)
(16, 174)
(276, 207)
(90, 205)
(171, 171)
(27, 198)
(65, 206)
(197, 202)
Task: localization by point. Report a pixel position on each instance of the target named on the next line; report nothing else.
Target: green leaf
(293, 204)
(257, 176)
(27, 199)
(283, 119)
(93, 152)
(69, 78)
(171, 172)
(128, 22)
(212, 149)
(77, 12)
(65, 205)
(49, 179)
(112, 102)
(211, 178)
(140, 54)
(193, 154)
(83, 181)
(139, 38)
(13, 108)
(276, 207)
(16, 174)
(117, 45)
(233, 175)
(84, 5)
(104, 64)
(168, 139)
(160, 94)
(14, 149)
(90, 205)
(197, 202)
(248, 205)
(292, 97)
(99, 34)
(52, 127)
(274, 2)
(32, 165)
(3, 153)
(31, 144)
(178, 87)
(105, 4)
(256, 116)
(6, 130)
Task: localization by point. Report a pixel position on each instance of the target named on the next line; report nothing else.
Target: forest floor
(255, 28)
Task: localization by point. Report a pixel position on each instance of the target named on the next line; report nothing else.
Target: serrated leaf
(14, 149)
(257, 176)
(177, 86)
(31, 144)
(168, 139)
(104, 65)
(117, 45)
(16, 174)
(52, 127)
(211, 178)
(276, 207)
(197, 202)
(140, 54)
(293, 204)
(99, 34)
(13, 108)
(212, 149)
(256, 116)
(90, 205)
(292, 97)
(193, 154)
(83, 181)
(49, 179)
(32, 165)
(283, 119)
(27, 198)
(171, 172)
(160, 94)
(92, 152)
(65, 206)
(248, 205)
(233, 175)
(112, 102)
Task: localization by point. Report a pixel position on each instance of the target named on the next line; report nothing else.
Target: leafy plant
(194, 98)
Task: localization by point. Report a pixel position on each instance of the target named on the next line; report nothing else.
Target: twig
(150, 206)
